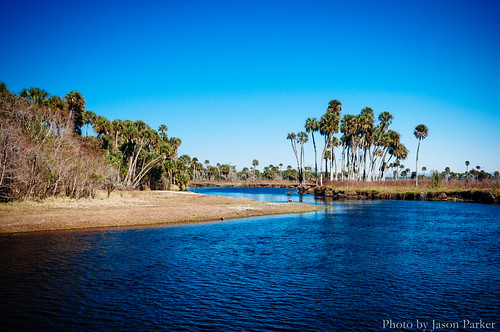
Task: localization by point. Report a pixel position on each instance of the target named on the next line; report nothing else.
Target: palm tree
(328, 126)
(117, 125)
(424, 169)
(467, 163)
(194, 165)
(88, 118)
(447, 172)
(420, 133)
(312, 125)
(76, 106)
(302, 139)
(35, 95)
(163, 131)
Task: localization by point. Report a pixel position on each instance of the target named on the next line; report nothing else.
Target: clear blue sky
(232, 78)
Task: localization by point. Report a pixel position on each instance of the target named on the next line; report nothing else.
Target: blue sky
(232, 78)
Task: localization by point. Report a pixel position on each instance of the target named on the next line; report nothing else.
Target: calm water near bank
(347, 268)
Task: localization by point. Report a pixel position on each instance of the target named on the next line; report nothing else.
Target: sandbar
(134, 208)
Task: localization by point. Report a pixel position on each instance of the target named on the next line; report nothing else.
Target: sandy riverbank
(134, 209)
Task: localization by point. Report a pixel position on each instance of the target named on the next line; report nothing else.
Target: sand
(127, 209)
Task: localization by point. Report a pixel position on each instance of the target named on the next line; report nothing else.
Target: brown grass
(408, 185)
(133, 209)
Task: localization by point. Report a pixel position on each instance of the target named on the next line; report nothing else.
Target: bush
(436, 177)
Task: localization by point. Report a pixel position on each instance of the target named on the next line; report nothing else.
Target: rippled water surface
(347, 268)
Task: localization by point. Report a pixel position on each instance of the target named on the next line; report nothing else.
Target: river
(356, 266)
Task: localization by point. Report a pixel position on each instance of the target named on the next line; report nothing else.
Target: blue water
(347, 268)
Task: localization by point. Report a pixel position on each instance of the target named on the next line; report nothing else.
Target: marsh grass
(408, 185)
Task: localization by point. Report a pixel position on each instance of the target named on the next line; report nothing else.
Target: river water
(356, 266)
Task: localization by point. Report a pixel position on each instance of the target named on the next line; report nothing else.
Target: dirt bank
(133, 209)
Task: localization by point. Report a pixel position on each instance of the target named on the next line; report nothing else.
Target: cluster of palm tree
(356, 147)
(135, 149)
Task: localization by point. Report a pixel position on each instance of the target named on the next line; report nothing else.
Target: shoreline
(473, 195)
(131, 209)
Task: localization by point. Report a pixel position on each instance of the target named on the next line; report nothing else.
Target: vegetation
(53, 146)
(43, 153)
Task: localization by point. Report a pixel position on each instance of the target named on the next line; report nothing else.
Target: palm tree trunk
(321, 165)
(416, 165)
(315, 159)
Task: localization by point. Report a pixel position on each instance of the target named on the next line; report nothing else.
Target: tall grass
(409, 184)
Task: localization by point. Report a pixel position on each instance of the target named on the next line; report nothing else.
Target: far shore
(486, 192)
(134, 208)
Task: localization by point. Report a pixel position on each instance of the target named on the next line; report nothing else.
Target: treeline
(198, 171)
(43, 152)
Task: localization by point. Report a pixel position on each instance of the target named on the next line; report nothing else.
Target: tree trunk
(315, 159)
(416, 165)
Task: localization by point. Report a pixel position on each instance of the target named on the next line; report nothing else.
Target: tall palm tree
(255, 163)
(447, 172)
(88, 118)
(424, 169)
(467, 163)
(76, 106)
(312, 125)
(163, 131)
(421, 132)
(117, 125)
(302, 139)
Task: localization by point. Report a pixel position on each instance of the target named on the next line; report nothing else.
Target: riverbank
(134, 208)
(450, 191)
(484, 196)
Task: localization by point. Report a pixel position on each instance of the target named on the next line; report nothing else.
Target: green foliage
(436, 177)
(182, 180)
(290, 174)
(271, 172)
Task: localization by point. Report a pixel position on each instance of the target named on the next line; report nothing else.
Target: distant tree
(255, 164)
(420, 133)
(435, 178)
(290, 174)
(270, 172)
(424, 169)
(447, 173)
